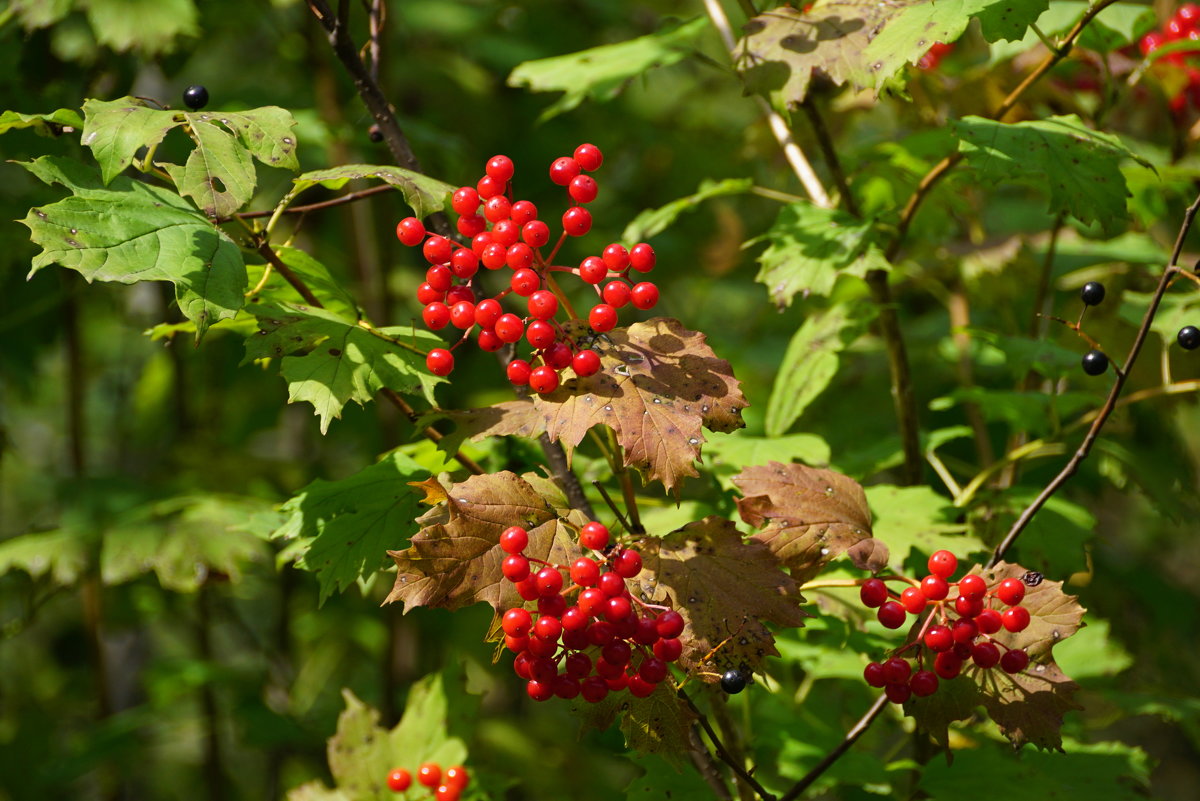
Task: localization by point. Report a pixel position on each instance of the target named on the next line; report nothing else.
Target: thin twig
(1111, 402)
(324, 204)
(556, 460)
(265, 250)
(829, 152)
(856, 731)
(723, 752)
(903, 398)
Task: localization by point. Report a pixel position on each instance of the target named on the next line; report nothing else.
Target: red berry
(640, 688)
(429, 774)
(668, 650)
(573, 619)
(481, 241)
(515, 568)
(535, 233)
(943, 563)
(489, 187)
(585, 363)
(472, 225)
(601, 633)
(1015, 618)
(939, 638)
(520, 258)
(985, 654)
(494, 256)
(628, 563)
(509, 327)
(562, 170)
(645, 631)
(593, 535)
(615, 257)
(592, 601)
(439, 277)
(542, 304)
(593, 689)
(549, 582)
(652, 670)
(464, 263)
(1014, 661)
(525, 281)
(436, 315)
(617, 609)
(972, 586)
(897, 693)
(641, 258)
(589, 157)
(616, 294)
(896, 670)
(437, 249)
(558, 355)
(497, 208)
(514, 539)
(669, 624)
(602, 317)
(964, 630)
(526, 587)
(399, 780)
(540, 334)
(516, 644)
(873, 593)
(540, 690)
(913, 600)
(487, 312)
(465, 201)
(523, 212)
(456, 777)
(968, 606)
(593, 270)
(617, 653)
(440, 361)
(543, 380)
(462, 315)
(924, 683)
(518, 371)
(552, 606)
(500, 168)
(947, 665)
(988, 621)
(935, 588)
(611, 584)
(410, 231)
(577, 221)
(583, 189)
(644, 295)
(427, 294)
(1011, 591)
(506, 232)
(891, 615)
(585, 572)
(873, 674)
(548, 628)
(458, 294)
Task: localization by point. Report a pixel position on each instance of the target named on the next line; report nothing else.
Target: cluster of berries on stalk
(598, 644)
(1182, 26)
(945, 644)
(444, 785)
(506, 233)
(1095, 361)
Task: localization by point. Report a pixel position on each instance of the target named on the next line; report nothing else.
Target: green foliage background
(141, 531)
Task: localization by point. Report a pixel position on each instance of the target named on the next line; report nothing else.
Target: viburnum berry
(1092, 293)
(733, 681)
(1014, 661)
(943, 564)
(964, 630)
(593, 535)
(437, 249)
(891, 614)
(500, 168)
(399, 780)
(644, 295)
(585, 363)
(410, 231)
(616, 294)
(562, 170)
(988, 621)
(1015, 618)
(617, 609)
(439, 277)
(968, 605)
(523, 211)
(873, 593)
(1189, 337)
(615, 257)
(935, 588)
(874, 674)
(577, 221)
(628, 563)
(471, 225)
(497, 208)
(548, 627)
(429, 774)
(494, 256)
(516, 622)
(518, 371)
(540, 334)
(1011, 591)
(465, 201)
(668, 650)
(426, 294)
(440, 361)
(557, 356)
(464, 263)
(553, 605)
(923, 683)
(436, 315)
(897, 693)
(947, 665)
(543, 380)
(669, 624)
(985, 654)
(487, 186)
(602, 317)
(515, 568)
(972, 586)
(642, 258)
(549, 581)
(509, 327)
(913, 600)
(939, 638)
(535, 233)
(488, 312)
(457, 294)
(462, 315)
(525, 281)
(896, 670)
(583, 189)
(585, 572)
(593, 270)
(543, 304)
(527, 588)
(520, 258)
(506, 232)
(589, 157)
(539, 690)
(514, 539)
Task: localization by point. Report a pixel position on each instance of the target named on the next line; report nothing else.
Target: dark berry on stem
(1014, 661)
(733, 682)
(924, 683)
(1092, 293)
(873, 674)
(873, 593)
(374, 134)
(1189, 337)
(891, 615)
(1095, 362)
(195, 97)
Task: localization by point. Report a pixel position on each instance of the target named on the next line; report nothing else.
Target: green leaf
(329, 360)
(116, 130)
(148, 26)
(316, 277)
(218, 175)
(352, 523)
(1077, 166)
(916, 521)
(266, 132)
(132, 231)
(60, 554)
(1118, 25)
(660, 780)
(424, 194)
(601, 72)
(811, 361)
(1092, 652)
(810, 247)
(654, 221)
(726, 454)
(43, 124)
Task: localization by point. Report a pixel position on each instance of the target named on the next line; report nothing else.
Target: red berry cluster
(446, 785)
(597, 645)
(1185, 24)
(953, 641)
(515, 240)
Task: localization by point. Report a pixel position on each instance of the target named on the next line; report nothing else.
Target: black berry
(1189, 337)
(1092, 293)
(375, 134)
(733, 681)
(1032, 578)
(195, 97)
(1095, 362)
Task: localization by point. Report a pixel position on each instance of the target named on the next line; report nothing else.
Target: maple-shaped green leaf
(147, 26)
(811, 361)
(423, 194)
(654, 221)
(51, 124)
(517, 418)
(602, 72)
(218, 174)
(130, 231)
(811, 247)
(454, 560)
(658, 725)
(808, 516)
(115, 130)
(1028, 706)
(61, 554)
(916, 521)
(350, 524)
(659, 384)
(329, 360)
(315, 275)
(726, 589)
(1078, 167)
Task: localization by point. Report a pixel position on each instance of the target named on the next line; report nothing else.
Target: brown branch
(265, 250)
(856, 731)
(556, 460)
(723, 752)
(324, 204)
(903, 398)
(1110, 403)
(829, 152)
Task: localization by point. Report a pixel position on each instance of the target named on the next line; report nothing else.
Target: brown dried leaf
(659, 384)
(809, 516)
(456, 562)
(725, 588)
(435, 493)
(869, 554)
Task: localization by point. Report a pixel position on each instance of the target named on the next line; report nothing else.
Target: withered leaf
(725, 588)
(808, 515)
(455, 561)
(511, 418)
(1028, 706)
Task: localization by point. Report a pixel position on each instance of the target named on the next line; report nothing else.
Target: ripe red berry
(593, 689)
(589, 157)
(426, 294)
(577, 221)
(628, 563)
(891, 615)
(873, 593)
(462, 315)
(985, 654)
(939, 638)
(558, 355)
(896, 670)
(410, 231)
(913, 600)
(593, 270)
(518, 371)
(509, 327)
(525, 281)
(611, 584)
(968, 606)
(437, 249)
(972, 586)
(494, 256)
(399, 780)
(873, 674)
(523, 211)
(500, 168)
(439, 277)
(1014, 661)
(440, 361)
(668, 650)
(526, 587)
(652, 670)
(583, 189)
(487, 186)
(506, 232)
(585, 363)
(592, 601)
(593, 535)
(585, 572)
(1015, 618)
(497, 208)
(539, 690)
(562, 170)
(516, 622)
(602, 317)
(923, 683)
(543, 305)
(1011, 591)
(514, 539)
(535, 233)
(616, 294)
(520, 258)
(553, 606)
(617, 652)
(964, 630)
(515, 568)
(540, 334)
(897, 693)
(429, 774)
(543, 380)
(471, 225)
(487, 312)
(456, 777)
(617, 609)
(615, 258)
(943, 563)
(935, 588)
(549, 582)
(465, 201)
(642, 258)
(988, 621)
(458, 294)
(947, 665)
(464, 263)
(644, 295)
(436, 315)
(669, 624)
(548, 627)
(516, 644)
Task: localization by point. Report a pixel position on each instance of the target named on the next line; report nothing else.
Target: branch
(856, 731)
(324, 204)
(723, 752)
(1110, 403)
